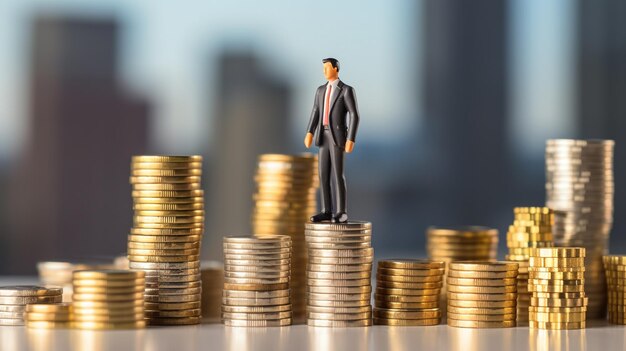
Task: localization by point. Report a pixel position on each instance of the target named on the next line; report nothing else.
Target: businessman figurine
(334, 122)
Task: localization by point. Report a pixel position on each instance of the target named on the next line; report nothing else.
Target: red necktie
(327, 105)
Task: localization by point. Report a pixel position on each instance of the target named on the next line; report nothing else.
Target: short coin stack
(482, 294)
(284, 200)
(257, 270)
(615, 269)
(59, 273)
(212, 273)
(407, 292)
(531, 228)
(108, 299)
(556, 281)
(13, 301)
(580, 189)
(48, 316)
(339, 274)
(166, 237)
(474, 243)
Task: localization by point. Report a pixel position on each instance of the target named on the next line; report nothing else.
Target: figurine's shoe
(322, 216)
(340, 217)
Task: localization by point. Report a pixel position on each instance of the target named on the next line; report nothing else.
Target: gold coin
(256, 309)
(411, 272)
(47, 316)
(168, 200)
(557, 317)
(483, 266)
(100, 311)
(166, 165)
(169, 213)
(173, 306)
(340, 310)
(482, 296)
(339, 275)
(242, 301)
(406, 305)
(340, 260)
(256, 287)
(556, 288)
(164, 266)
(410, 265)
(48, 324)
(163, 246)
(462, 231)
(482, 274)
(481, 282)
(257, 323)
(565, 252)
(265, 316)
(559, 295)
(173, 313)
(415, 283)
(166, 158)
(119, 318)
(481, 324)
(164, 238)
(480, 311)
(482, 304)
(174, 321)
(483, 317)
(256, 294)
(563, 310)
(339, 303)
(167, 219)
(106, 297)
(557, 282)
(556, 275)
(165, 179)
(406, 298)
(172, 298)
(169, 225)
(166, 193)
(402, 279)
(166, 172)
(410, 292)
(29, 291)
(104, 325)
(407, 322)
(427, 313)
(556, 325)
(198, 206)
(341, 324)
(556, 262)
(340, 268)
(166, 186)
(160, 259)
(339, 283)
(163, 252)
(48, 307)
(482, 289)
(108, 283)
(107, 289)
(556, 269)
(548, 302)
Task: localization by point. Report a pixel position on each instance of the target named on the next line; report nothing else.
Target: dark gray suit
(343, 121)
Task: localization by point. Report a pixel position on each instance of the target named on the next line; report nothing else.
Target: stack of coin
(407, 292)
(108, 299)
(59, 273)
(339, 274)
(615, 267)
(48, 316)
(580, 190)
(212, 274)
(13, 301)
(482, 294)
(532, 227)
(474, 243)
(284, 200)
(257, 270)
(556, 282)
(166, 236)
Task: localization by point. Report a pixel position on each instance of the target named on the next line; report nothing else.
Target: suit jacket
(342, 104)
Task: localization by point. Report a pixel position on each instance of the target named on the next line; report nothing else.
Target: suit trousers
(330, 160)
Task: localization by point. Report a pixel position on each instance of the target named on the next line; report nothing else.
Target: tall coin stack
(339, 274)
(474, 243)
(257, 270)
(615, 267)
(482, 294)
(580, 189)
(531, 228)
(407, 292)
(108, 299)
(284, 200)
(557, 284)
(212, 273)
(13, 301)
(48, 315)
(165, 240)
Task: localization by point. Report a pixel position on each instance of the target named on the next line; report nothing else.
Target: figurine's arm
(353, 110)
(313, 122)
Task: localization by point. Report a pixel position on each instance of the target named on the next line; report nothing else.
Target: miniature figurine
(334, 133)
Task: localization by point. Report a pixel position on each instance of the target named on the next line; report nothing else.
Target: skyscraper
(251, 118)
(70, 196)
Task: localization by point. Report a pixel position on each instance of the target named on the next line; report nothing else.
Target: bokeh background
(457, 99)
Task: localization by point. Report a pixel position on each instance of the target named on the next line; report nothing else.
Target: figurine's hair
(333, 61)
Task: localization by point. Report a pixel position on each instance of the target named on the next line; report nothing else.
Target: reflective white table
(598, 336)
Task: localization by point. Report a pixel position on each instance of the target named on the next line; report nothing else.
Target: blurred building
(251, 117)
(601, 89)
(466, 111)
(70, 196)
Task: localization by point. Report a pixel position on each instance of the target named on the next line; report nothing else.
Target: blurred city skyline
(457, 99)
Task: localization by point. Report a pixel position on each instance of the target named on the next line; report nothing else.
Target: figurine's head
(331, 68)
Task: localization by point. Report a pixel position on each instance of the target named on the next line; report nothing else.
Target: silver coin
(184, 291)
(241, 301)
(256, 294)
(341, 260)
(229, 262)
(350, 225)
(29, 290)
(258, 275)
(24, 300)
(338, 282)
(238, 257)
(339, 246)
(164, 265)
(259, 269)
(256, 280)
(340, 268)
(257, 309)
(340, 289)
(8, 321)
